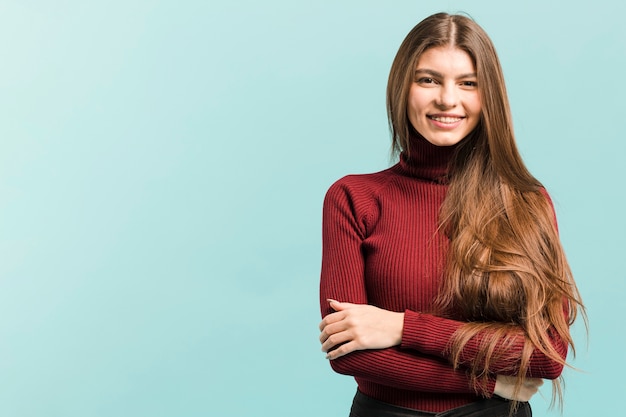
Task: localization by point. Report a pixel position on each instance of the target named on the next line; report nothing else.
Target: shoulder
(547, 199)
(356, 197)
(551, 210)
(545, 193)
(356, 187)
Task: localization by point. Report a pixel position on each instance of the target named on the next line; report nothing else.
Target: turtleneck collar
(425, 160)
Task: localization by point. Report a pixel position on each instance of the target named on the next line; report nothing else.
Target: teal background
(162, 170)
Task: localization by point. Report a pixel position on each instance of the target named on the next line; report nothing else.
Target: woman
(444, 287)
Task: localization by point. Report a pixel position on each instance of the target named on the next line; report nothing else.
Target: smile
(445, 119)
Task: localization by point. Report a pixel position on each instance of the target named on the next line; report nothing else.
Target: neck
(426, 161)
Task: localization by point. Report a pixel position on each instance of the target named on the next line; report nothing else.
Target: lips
(445, 119)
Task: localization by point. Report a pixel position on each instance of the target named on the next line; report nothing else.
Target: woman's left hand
(359, 327)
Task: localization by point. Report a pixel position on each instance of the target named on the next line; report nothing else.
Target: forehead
(446, 60)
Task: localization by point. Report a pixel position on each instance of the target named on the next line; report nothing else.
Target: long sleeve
(431, 335)
(348, 212)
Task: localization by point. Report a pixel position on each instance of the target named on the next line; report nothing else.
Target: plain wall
(162, 170)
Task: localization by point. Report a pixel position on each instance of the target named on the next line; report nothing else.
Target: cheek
(476, 119)
(477, 105)
(478, 109)
(415, 101)
(416, 107)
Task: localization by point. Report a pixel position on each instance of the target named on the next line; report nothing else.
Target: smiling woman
(444, 287)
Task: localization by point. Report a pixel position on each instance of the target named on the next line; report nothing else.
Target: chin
(445, 141)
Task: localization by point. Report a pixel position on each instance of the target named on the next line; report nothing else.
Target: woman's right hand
(505, 388)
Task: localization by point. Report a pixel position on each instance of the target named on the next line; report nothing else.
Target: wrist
(399, 320)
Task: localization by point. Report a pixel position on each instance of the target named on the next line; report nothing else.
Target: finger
(339, 306)
(530, 392)
(331, 318)
(532, 381)
(334, 304)
(527, 393)
(342, 350)
(336, 339)
(331, 329)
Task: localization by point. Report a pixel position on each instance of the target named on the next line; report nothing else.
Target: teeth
(447, 119)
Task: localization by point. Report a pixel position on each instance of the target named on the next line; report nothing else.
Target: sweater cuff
(427, 333)
(410, 330)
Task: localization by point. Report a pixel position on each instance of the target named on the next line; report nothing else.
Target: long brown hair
(505, 267)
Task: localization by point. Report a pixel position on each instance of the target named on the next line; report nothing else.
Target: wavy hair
(505, 268)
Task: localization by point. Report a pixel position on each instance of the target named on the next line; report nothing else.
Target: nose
(448, 96)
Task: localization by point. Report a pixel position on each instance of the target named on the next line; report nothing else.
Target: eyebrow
(440, 75)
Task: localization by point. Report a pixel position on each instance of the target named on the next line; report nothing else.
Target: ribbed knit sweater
(381, 246)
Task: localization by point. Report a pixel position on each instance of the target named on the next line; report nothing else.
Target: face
(444, 104)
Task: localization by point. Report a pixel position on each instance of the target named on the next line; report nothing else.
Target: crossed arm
(407, 349)
(355, 327)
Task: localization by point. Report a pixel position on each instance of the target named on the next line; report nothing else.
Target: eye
(469, 84)
(426, 80)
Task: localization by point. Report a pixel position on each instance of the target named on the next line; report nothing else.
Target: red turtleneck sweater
(381, 247)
